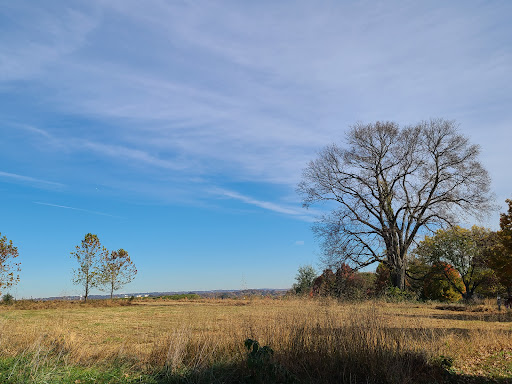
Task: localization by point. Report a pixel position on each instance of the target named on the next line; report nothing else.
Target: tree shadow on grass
(419, 333)
(238, 374)
(481, 316)
(218, 374)
(465, 316)
(468, 379)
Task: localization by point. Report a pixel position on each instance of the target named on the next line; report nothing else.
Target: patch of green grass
(110, 340)
(498, 365)
(28, 369)
(182, 296)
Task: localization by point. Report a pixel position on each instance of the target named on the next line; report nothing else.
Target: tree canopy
(443, 283)
(88, 255)
(500, 259)
(462, 250)
(9, 268)
(305, 276)
(116, 270)
(387, 184)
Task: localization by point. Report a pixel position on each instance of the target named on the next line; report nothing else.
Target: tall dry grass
(313, 341)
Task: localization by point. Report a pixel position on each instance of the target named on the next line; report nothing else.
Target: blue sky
(178, 130)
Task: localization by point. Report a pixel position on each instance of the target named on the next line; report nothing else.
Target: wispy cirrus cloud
(32, 130)
(39, 183)
(55, 31)
(271, 206)
(114, 151)
(74, 209)
(250, 91)
(122, 153)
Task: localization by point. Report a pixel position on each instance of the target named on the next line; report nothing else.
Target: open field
(203, 341)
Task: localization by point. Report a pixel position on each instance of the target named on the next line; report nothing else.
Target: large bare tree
(388, 184)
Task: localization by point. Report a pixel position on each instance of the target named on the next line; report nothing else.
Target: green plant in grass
(8, 299)
(263, 367)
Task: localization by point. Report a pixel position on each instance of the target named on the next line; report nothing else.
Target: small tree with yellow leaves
(9, 269)
(88, 254)
(116, 270)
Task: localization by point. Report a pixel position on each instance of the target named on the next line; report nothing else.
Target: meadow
(205, 341)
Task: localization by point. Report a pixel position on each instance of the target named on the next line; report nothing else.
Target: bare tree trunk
(468, 295)
(398, 278)
(397, 257)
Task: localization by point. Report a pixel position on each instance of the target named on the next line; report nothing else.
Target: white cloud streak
(74, 209)
(13, 177)
(117, 152)
(259, 203)
(121, 153)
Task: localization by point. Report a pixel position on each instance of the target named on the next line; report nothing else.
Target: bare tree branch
(391, 184)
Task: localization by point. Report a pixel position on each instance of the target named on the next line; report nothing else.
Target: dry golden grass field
(158, 341)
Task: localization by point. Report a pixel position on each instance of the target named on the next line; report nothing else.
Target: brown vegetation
(313, 340)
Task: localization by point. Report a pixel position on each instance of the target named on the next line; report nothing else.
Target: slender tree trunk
(111, 290)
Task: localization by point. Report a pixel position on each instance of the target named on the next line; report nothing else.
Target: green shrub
(263, 367)
(8, 299)
(182, 296)
(395, 295)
